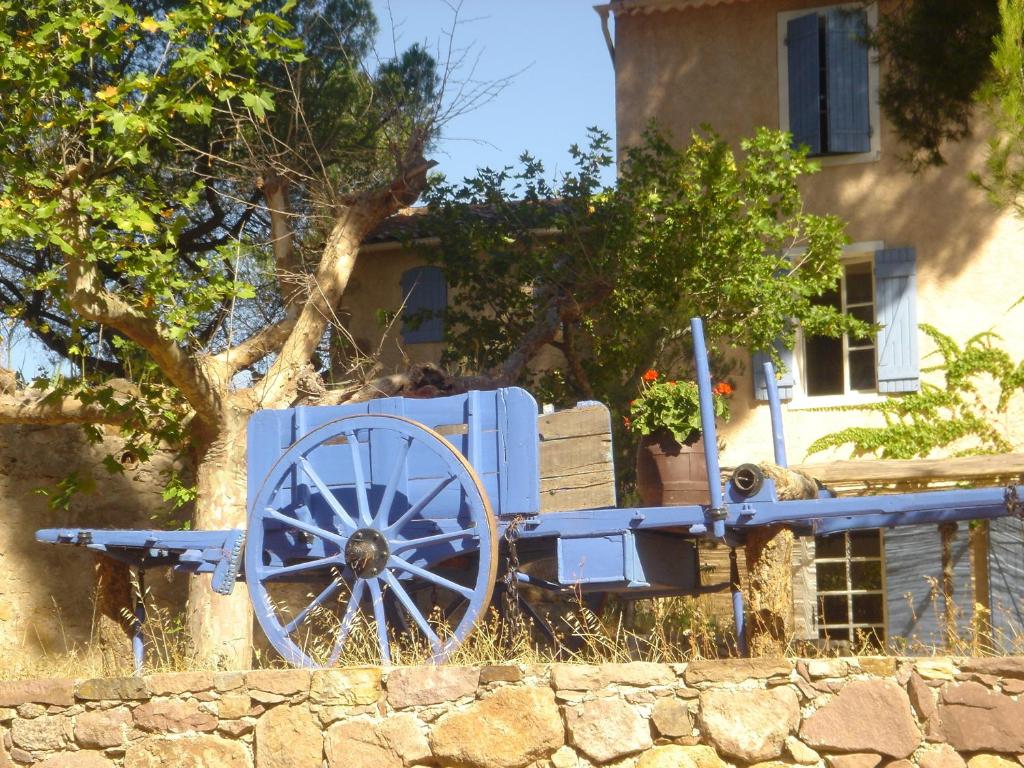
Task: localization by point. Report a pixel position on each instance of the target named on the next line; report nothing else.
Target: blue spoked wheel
(370, 530)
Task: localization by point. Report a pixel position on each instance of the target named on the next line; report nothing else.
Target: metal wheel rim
(371, 589)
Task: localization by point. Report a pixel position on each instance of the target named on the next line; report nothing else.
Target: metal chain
(513, 613)
(1014, 505)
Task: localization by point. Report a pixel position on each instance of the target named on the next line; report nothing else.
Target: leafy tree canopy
(607, 277)
(184, 186)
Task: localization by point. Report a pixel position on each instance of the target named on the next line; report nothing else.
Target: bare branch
(48, 407)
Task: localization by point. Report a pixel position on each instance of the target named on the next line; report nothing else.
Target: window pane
(865, 543)
(862, 369)
(866, 314)
(824, 366)
(833, 609)
(858, 283)
(830, 546)
(866, 575)
(831, 577)
(834, 633)
(867, 609)
(829, 298)
(870, 636)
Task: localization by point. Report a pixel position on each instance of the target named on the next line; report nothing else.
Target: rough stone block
(856, 760)
(112, 689)
(16, 692)
(735, 670)
(346, 687)
(100, 729)
(283, 682)
(866, 716)
(81, 759)
(418, 686)
(500, 673)
(749, 725)
(671, 717)
(203, 751)
(173, 716)
(1001, 666)
(639, 674)
(177, 683)
(577, 677)
(800, 752)
(365, 743)
(509, 728)
(289, 737)
(41, 734)
(607, 729)
(972, 719)
(940, 756)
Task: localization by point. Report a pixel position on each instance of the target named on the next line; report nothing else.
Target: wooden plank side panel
(576, 466)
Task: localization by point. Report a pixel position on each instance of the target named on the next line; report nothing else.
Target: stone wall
(839, 713)
(46, 591)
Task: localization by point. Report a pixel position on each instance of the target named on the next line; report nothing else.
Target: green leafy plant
(673, 406)
(959, 415)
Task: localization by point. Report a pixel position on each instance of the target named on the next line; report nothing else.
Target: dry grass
(659, 630)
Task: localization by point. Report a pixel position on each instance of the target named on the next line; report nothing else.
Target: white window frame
(853, 253)
(849, 592)
(874, 113)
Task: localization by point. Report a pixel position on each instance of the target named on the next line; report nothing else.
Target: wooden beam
(967, 468)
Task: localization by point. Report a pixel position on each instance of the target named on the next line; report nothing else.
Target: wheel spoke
(378, 616)
(318, 601)
(392, 487)
(307, 527)
(325, 492)
(307, 565)
(437, 538)
(410, 606)
(347, 619)
(397, 562)
(419, 506)
(360, 479)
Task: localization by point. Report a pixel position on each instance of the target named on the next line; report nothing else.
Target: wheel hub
(367, 552)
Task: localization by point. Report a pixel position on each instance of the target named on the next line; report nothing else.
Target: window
(878, 285)
(425, 294)
(828, 82)
(838, 366)
(851, 587)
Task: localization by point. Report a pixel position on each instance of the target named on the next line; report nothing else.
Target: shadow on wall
(46, 592)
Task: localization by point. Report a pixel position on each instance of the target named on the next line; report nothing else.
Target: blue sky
(562, 77)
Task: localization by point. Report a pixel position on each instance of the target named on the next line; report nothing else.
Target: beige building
(925, 248)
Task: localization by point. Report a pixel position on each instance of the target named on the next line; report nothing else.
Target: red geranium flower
(722, 388)
(650, 375)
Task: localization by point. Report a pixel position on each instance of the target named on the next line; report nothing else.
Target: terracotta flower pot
(669, 473)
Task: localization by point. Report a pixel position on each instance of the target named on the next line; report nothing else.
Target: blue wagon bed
(403, 511)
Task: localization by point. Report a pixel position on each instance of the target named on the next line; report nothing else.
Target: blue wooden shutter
(804, 85)
(1006, 576)
(424, 291)
(785, 381)
(846, 74)
(896, 312)
(913, 583)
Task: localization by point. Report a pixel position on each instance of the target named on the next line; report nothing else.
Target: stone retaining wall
(840, 713)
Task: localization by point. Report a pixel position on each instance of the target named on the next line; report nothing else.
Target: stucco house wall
(685, 64)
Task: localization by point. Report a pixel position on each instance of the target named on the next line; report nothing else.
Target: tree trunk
(220, 626)
(113, 615)
(769, 551)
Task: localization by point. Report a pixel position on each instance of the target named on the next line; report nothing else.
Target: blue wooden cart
(398, 513)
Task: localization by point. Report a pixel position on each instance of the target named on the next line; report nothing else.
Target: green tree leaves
(603, 280)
